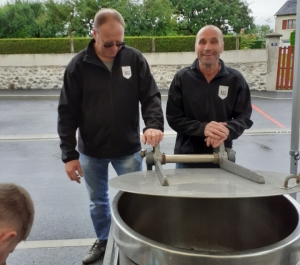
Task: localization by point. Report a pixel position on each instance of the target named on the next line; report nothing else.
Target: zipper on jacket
(112, 110)
(207, 96)
(95, 63)
(111, 98)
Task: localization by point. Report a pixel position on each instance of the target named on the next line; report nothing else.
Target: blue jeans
(95, 173)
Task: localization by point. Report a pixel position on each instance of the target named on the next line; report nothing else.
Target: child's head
(16, 218)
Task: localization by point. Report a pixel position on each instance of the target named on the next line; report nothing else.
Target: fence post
(72, 45)
(153, 45)
(272, 48)
(237, 42)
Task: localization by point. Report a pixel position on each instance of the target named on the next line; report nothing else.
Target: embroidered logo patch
(223, 92)
(126, 71)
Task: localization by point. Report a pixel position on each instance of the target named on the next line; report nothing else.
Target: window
(289, 24)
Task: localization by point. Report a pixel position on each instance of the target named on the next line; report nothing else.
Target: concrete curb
(168, 133)
(46, 94)
(29, 97)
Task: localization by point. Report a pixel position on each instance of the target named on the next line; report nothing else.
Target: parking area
(62, 230)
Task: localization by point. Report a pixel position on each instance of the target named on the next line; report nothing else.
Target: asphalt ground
(30, 157)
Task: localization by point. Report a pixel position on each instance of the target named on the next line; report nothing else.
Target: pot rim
(121, 225)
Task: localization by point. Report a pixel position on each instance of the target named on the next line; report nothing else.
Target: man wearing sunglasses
(103, 87)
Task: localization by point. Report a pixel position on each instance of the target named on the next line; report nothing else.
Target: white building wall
(284, 32)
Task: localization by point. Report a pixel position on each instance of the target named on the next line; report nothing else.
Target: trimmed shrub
(144, 44)
(175, 44)
(34, 46)
(292, 37)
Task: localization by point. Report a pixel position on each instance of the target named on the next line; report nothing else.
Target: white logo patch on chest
(126, 71)
(223, 92)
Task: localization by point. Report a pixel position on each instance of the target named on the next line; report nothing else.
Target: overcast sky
(263, 10)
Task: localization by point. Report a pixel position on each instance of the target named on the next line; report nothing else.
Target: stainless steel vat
(159, 230)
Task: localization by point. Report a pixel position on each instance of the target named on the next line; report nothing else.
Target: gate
(285, 68)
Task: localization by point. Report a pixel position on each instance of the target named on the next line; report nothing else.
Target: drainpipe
(294, 148)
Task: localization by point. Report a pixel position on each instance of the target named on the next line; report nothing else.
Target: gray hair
(105, 14)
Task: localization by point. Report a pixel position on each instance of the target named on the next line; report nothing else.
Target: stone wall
(46, 71)
(31, 77)
(254, 73)
(51, 77)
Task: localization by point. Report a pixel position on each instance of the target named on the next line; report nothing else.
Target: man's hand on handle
(152, 137)
(214, 142)
(74, 170)
(216, 133)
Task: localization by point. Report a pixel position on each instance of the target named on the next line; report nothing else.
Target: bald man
(103, 87)
(209, 103)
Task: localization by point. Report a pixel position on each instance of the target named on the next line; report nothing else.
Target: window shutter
(284, 23)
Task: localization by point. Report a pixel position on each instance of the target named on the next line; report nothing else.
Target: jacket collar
(223, 70)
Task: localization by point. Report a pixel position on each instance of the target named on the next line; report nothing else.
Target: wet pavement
(30, 156)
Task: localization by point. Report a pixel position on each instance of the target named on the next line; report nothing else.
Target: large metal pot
(182, 231)
(206, 217)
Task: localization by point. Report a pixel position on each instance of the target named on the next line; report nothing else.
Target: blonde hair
(16, 209)
(105, 14)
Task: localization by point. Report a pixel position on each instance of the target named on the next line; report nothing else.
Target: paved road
(62, 231)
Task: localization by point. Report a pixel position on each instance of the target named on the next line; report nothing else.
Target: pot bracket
(230, 180)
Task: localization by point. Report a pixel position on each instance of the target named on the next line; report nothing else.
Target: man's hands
(216, 133)
(152, 137)
(74, 170)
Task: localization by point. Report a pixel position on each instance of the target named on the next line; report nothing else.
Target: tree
(22, 20)
(260, 31)
(153, 18)
(255, 37)
(228, 15)
(68, 18)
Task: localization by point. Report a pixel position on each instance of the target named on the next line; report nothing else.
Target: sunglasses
(118, 44)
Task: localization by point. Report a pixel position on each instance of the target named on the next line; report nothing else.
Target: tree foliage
(21, 20)
(61, 18)
(255, 37)
(154, 17)
(260, 31)
(75, 17)
(228, 15)
(70, 17)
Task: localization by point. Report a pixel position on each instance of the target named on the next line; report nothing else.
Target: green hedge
(144, 44)
(140, 43)
(175, 44)
(80, 44)
(34, 46)
(258, 44)
(230, 42)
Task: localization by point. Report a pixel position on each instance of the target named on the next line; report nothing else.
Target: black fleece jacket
(193, 103)
(104, 105)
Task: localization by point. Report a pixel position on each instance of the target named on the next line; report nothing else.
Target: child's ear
(4, 236)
